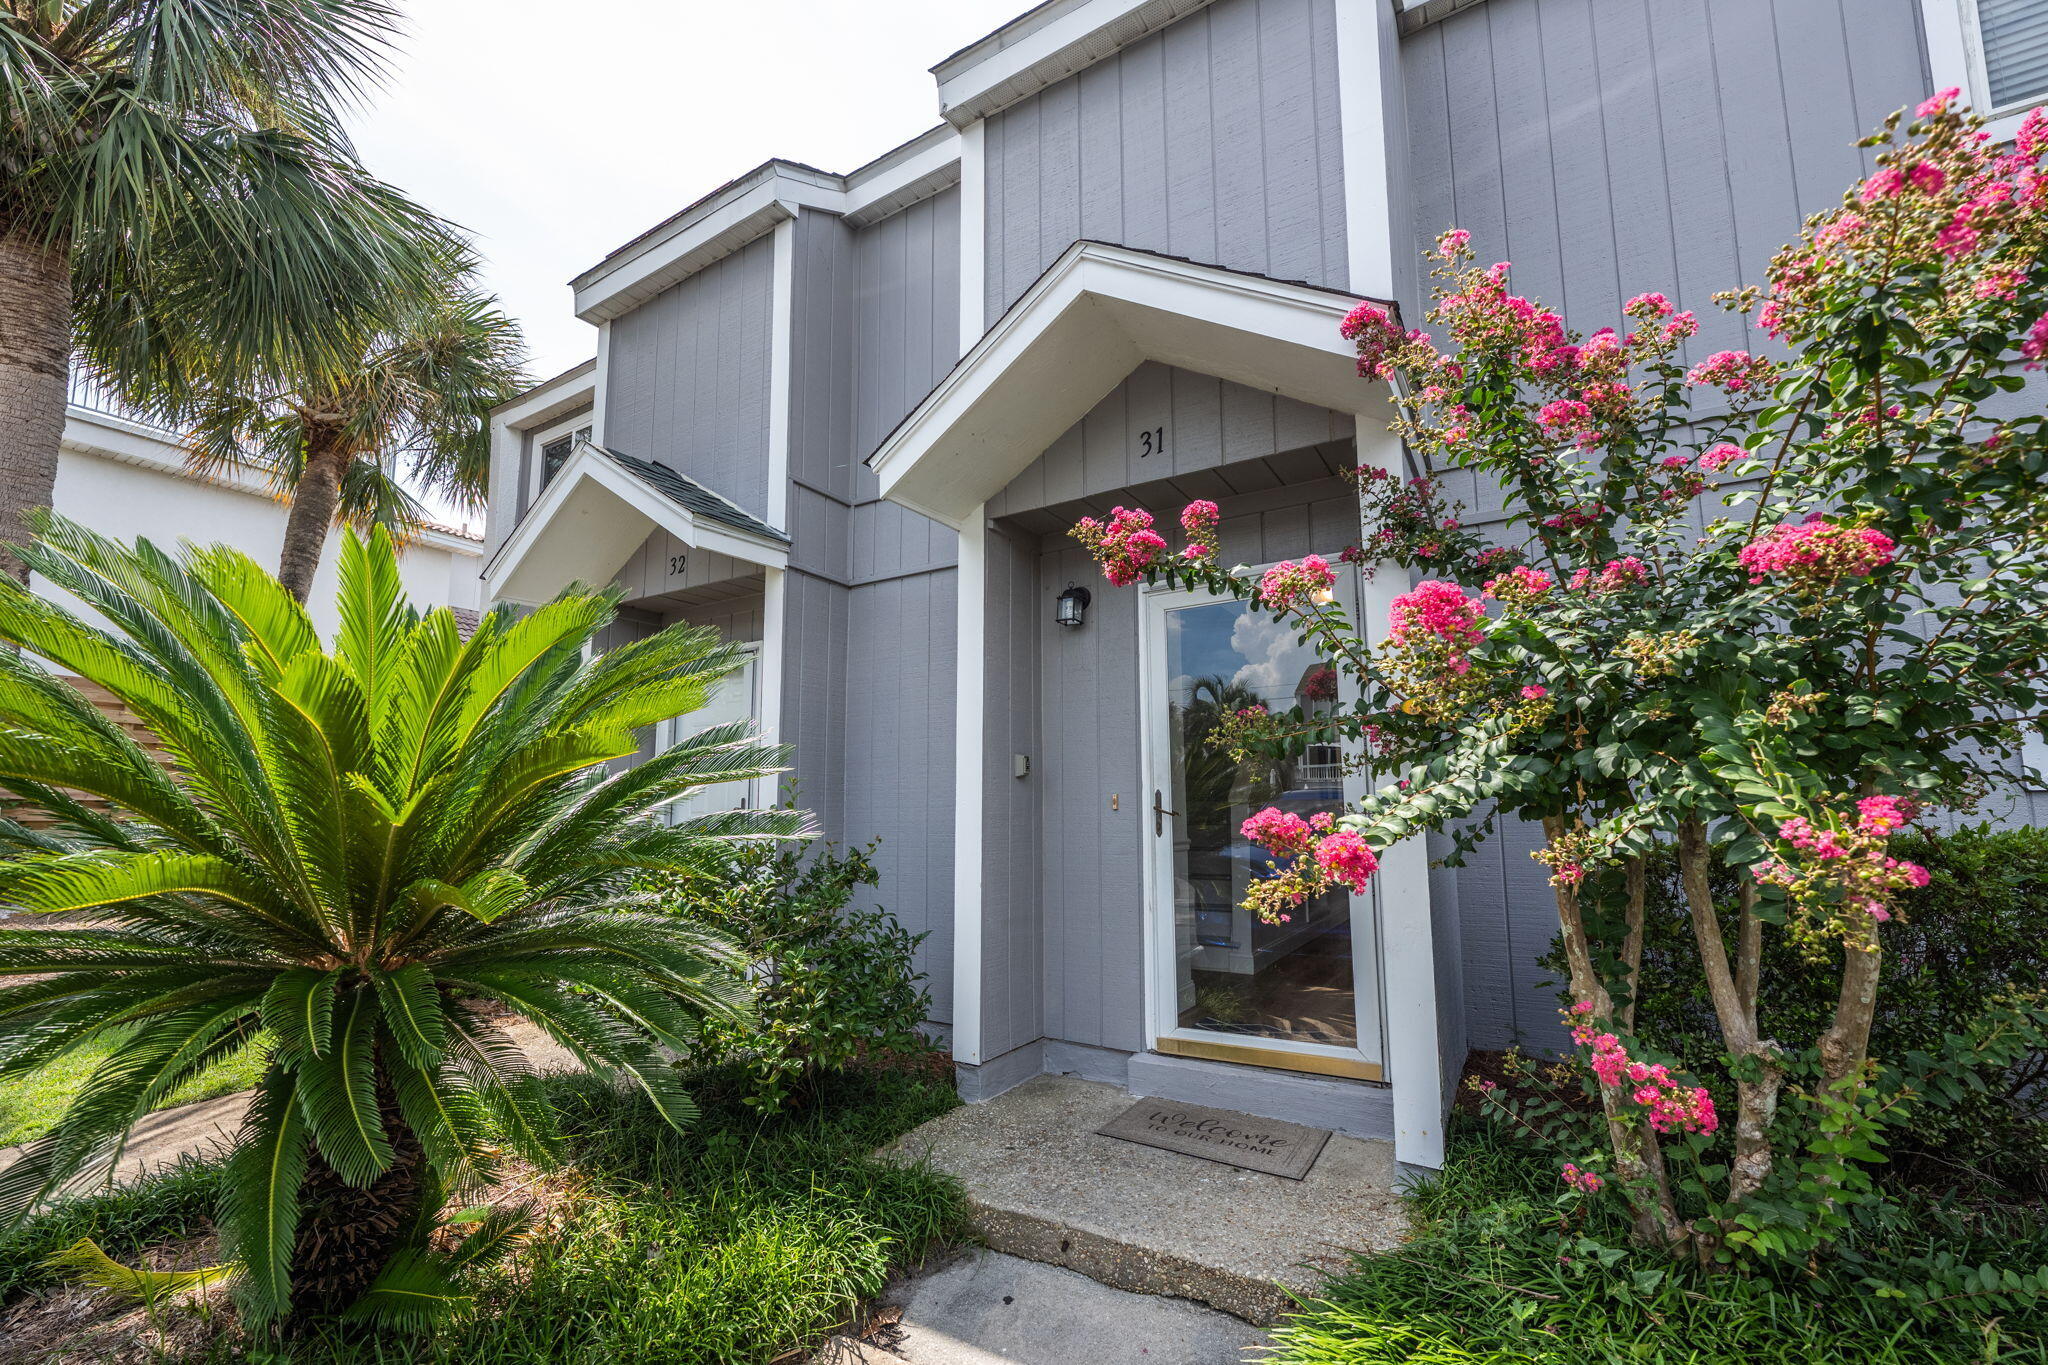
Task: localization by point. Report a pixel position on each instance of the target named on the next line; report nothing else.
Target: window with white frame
(2011, 50)
(736, 697)
(555, 444)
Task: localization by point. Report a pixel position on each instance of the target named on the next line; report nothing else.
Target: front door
(1301, 995)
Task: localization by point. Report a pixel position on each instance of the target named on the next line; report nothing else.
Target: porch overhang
(596, 511)
(1096, 314)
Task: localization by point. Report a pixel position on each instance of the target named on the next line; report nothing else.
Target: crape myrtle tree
(1764, 611)
(367, 851)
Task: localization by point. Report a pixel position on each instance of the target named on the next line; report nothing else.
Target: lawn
(29, 1104)
(741, 1240)
(1501, 1270)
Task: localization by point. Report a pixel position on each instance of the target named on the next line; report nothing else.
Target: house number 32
(1152, 442)
(677, 563)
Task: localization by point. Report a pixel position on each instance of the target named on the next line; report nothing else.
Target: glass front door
(1300, 994)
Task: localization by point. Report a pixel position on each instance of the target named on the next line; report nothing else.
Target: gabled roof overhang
(590, 519)
(1095, 315)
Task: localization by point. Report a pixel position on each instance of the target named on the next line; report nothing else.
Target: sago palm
(365, 852)
(412, 394)
(176, 195)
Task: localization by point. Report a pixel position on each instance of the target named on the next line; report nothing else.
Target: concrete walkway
(1043, 1184)
(985, 1308)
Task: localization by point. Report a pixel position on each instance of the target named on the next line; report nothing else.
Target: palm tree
(417, 391)
(353, 850)
(175, 195)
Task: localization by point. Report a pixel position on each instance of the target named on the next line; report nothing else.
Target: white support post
(601, 385)
(774, 612)
(973, 235)
(1368, 123)
(1408, 946)
(969, 707)
(781, 338)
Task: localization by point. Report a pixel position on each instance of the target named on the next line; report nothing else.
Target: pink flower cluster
(1345, 858)
(1200, 519)
(1283, 832)
(1586, 1182)
(1569, 419)
(1614, 576)
(1519, 586)
(1535, 692)
(1674, 1107)
(1816, 554)
(1287, 583)
(1376, 334)
(2035, 346)
(1126, 547)
(1843, 860)
(1719, 457)
(1437, 610)
(1733, 371)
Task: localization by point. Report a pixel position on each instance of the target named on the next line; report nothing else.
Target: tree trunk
(35, 372)
(1845, 1047)
(1760, 1072)
(313, 502)
(346, 1234)
(1638, 1160)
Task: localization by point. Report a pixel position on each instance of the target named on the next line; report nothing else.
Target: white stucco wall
(124, 481)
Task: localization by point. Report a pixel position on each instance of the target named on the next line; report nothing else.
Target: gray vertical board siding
(905, 289)
(813, 705)
(1215, 138)
(1208, 423)
(688, 376)
(651, 570)
(738, 618)
(898, 755)
(1609, 147)
(822, 308)
(1013, 946)
(888, 540)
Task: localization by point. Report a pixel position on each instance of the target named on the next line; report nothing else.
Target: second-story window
(556, 443)
(2012, 51)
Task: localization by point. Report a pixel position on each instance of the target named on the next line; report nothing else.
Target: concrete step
(1044, 1185)
(985, 1308)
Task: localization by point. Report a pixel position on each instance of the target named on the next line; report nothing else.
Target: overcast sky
(555, 132)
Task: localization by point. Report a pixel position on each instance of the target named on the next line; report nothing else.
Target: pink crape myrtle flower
(1815, 554)
(1568, 419)
(1938, 102)
(1719, 457)
(1200, 519)
(1733, 371)
(1345, 858)
(2034, 346)
(1287, 583)
(1376, 334)
(1519, 586)
(1126, 547)
(1438, 610)
(1535, 692)
(1283, 832)
(1584, 1181)
(1883, 814)
(1673, 1106)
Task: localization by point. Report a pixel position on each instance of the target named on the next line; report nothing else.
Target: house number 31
(1152, 442)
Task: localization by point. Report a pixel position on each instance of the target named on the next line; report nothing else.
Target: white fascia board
(544, 402)
(989, 75)
(592, 486)
(781, 363)
(970, 701)
(913, 172)
(1084, 325)
(973, 234)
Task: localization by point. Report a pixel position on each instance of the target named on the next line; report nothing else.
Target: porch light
(1073, 604)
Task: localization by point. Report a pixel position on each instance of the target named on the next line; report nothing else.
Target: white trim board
(781, 334)
(1371, 112)
(970, 705)
(1046, 45)
(1094, 316)
(973, 234)
(741, 212)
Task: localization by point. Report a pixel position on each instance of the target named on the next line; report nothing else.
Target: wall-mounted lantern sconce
(1073, 606)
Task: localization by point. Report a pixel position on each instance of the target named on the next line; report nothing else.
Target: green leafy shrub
(832, 982)
(1968, 939)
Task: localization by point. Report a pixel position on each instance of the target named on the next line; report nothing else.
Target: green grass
(30, 1104)
(737, 1241)
(1501, 1270)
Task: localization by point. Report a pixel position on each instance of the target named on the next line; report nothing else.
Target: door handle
(1159, 813)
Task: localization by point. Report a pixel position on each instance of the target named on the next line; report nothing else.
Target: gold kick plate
(1353, 1068)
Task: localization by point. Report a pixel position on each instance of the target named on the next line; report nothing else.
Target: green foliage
(191, 157)
(175, 1202)
(1961, 944)
(355, 849)
(832, 983)
(1506, 1265)
(31, 1103)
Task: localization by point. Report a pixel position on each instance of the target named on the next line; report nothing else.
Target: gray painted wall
(1214, 139)
(688, 382)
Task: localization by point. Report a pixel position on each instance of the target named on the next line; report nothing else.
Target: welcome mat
(1283, 1149)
